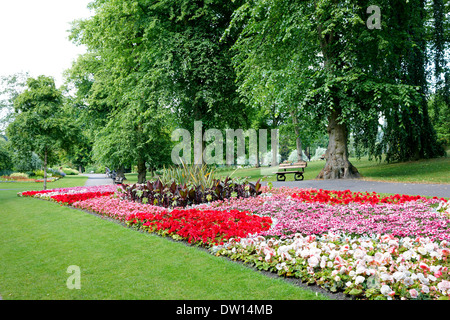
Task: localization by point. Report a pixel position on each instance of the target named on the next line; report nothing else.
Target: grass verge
(422, 171)
(40, 240)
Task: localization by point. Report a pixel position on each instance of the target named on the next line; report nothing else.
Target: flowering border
(365, 245)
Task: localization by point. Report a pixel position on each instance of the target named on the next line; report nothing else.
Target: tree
(439, 100)
(5, 155)
(40, 124)
(321, 59)
(164, 63)
(11, 87)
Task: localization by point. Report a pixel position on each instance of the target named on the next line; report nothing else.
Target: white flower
(359, 279)
(360, 269)
(313, 261)
(337, 278)
(386, 290)
(385, 276)
(399, 275)
(422, 250)
(425, 289)
(431, 277)
(358, 254)
(422, 279)
(323, 264)
(408, 281)
(443, 286)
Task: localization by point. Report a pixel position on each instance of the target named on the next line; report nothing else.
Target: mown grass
(39, 240)
(422, 171)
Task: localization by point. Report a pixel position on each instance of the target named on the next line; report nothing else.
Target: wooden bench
(118, 180)
(298, 175)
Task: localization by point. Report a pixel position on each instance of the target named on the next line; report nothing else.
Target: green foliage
(193, 175)
(181, 195)
(71, 172)
(5, 156)
(321, 58)
(40, 124)
(440, 115)
(11, 86)
(19, 175)
(152, 67)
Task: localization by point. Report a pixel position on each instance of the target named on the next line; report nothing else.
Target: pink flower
(413, 293)
(444, 286)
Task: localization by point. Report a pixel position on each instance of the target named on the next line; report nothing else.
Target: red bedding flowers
(74, 197)
(207, 227)
(346, 197)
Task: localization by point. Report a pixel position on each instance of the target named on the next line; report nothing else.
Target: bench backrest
(301, 164)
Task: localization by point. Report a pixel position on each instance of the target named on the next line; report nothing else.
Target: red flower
(74, 197)
(346, 197)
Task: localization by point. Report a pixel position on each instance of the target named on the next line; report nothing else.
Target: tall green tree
(10, 87)
(40, 123)
(439, 101)
(340, 65)
(162, 61)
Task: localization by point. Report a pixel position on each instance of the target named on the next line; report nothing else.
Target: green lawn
(423, 171)
(40, 240)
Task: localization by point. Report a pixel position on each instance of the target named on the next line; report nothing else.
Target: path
(97, 179)
(355, 185)
(438, 190)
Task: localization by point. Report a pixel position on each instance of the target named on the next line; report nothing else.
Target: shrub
(39, 173)
(189, 175)
(70, 172)
(171, 195)
(18, 175)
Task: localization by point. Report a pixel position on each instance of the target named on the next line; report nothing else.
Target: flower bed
(380, 267)
(367, 246)
(204, 227)
(346, 197)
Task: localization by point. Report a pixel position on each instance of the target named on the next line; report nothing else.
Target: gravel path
(97, 179)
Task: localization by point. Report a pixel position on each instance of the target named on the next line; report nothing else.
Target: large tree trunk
(337, 166)
(142, 171)
(298, 140)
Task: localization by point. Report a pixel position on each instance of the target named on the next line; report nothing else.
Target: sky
(34, 36)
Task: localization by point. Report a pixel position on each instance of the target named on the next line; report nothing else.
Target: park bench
(118, 180)
(298, 175)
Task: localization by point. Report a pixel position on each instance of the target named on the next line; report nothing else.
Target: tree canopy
(40, 123)
(373, 73)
